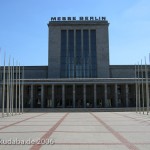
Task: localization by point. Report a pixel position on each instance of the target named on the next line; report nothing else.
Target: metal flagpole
(142, 86)
(13, 88)
(147, 87)
(139, 96)
(8, 88)
(16, 87)
(22, 87)
(0, 75)
(19, 88)
(3, 88)
(7, 93)
(136, 89)
(148, 84)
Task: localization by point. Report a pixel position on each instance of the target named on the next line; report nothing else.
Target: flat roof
(77, 22)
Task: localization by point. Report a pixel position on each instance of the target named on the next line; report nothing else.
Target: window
(78, 56)
(63, 52)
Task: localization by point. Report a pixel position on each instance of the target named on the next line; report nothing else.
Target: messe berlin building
(78, 74)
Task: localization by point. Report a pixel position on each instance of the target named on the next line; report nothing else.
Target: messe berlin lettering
(80, 18)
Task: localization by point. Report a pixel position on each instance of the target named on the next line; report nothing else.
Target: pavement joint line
(49, 132)
(139, 120)
(142, 143)
(12, 124)
(35, 125)
(134, 131)
(24, 132)
(82, 132)
(59, 143)
(80, 125)
(125, 142)
(103, 131)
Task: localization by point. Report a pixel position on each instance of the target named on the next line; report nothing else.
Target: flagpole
(16, 86)
(142, 86)
(148, 84)
(13, 88)
(3, 88)
(19, 88)
(11, 95)
(136, 88)
(147, 87)
(8, 87)
(139, 96)
(22, 88)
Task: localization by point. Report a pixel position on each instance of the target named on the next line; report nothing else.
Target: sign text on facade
(80, 19)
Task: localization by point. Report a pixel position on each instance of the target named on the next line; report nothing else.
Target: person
(100, 103)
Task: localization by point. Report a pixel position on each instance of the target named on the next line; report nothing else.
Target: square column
(74, 95)
(63, 96)
(31, 97)
(1, 93)
(127, 95)
(116, 95)
(84, 95)
(42, 96)
(52, 96)
(95, 102)
(105, 93)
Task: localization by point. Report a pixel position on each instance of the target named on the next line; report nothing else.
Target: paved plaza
(73, 131)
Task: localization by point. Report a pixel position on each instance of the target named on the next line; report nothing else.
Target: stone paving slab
(72, 131)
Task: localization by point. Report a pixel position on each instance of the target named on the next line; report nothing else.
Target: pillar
(95, 98)
(31, 98)
(42, 96)
(52, 95)
(116, 95)
(74, 95)
(84, 95)
(127, 95)
(1, 93)
(63, 96)
(105, 93)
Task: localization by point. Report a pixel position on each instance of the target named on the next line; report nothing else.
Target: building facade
(78, 74)
(78, 49)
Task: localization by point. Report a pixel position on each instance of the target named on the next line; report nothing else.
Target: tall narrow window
(78, 54)
(78, 59)
(71, 53)
(93, 53)
(63, 53)
(86, 53)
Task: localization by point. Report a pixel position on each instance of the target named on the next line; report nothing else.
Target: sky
(24, 30)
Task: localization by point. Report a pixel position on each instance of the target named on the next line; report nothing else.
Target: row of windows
(72, 66)
(7, 76)
(78, 43)
(74, 54)
(77, 60)
(142, 74)
(79, 73)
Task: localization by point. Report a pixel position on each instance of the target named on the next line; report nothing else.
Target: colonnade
(80, 95)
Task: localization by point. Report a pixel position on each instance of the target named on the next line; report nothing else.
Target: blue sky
(24, 31)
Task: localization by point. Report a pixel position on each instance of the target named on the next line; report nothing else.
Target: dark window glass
(85, 43)
(78, 62)
(63, 52)
(71, 43)
(78, 43)
(85, 53)
(93, 53)
(70, 69)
